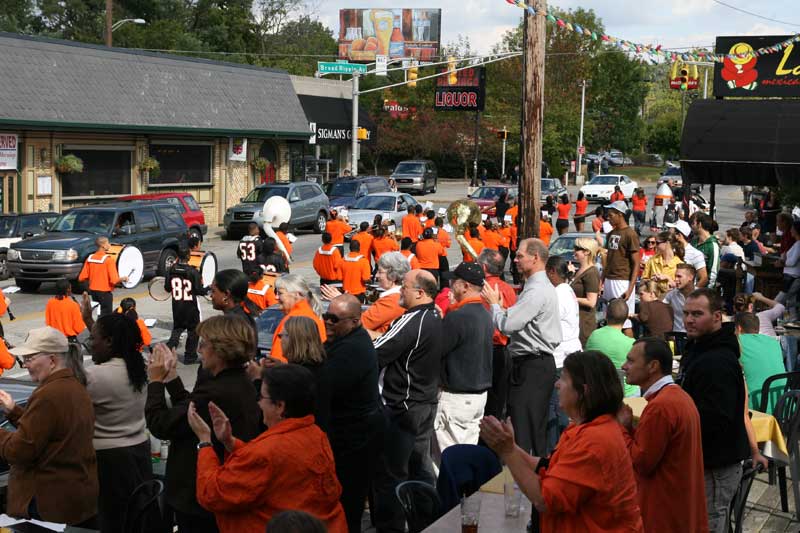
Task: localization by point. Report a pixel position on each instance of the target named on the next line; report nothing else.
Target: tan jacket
(51, 453)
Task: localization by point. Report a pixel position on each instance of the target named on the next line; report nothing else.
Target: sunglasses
(333, 319)
(650, 242)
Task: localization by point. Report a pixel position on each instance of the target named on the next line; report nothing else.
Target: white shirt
(658, 385)
(792, 263)
(570, 326)
(694, 257)
(677, 300)
(732, 248)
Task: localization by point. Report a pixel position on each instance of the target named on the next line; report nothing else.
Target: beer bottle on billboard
(397, 43)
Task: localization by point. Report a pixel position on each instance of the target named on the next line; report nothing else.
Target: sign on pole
(328, 67)
(8, 151)
(381, 63)
(582, 150)
(467, 95)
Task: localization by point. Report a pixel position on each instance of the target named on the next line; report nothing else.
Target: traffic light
(413, 72)
(362, 134)
(684, 77)
(502, 135)
(452, 75)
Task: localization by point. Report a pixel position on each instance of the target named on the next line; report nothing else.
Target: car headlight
(228, 212)
(12, 255)
(257, 214)
(65, 255)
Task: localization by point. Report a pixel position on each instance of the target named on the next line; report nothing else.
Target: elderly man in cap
(466, 373)
(622, 261)
(53, 464)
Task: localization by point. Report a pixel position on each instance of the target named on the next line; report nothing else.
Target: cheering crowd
(398, 357)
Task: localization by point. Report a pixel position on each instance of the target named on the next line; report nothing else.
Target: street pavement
(29, 308)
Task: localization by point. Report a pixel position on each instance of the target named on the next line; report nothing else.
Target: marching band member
(405, 248)
(338, 228)
(101, 271)
(63, 313)
(364, 238)
(411, 225)
(259, 291)
(250, 247)
(355, 271)
(327, 261)
(184, 284)
(382, 243)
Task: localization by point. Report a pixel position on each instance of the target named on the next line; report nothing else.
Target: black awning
(334, 119)
(742, 142)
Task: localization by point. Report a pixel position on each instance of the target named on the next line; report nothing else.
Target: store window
(332, 152)
(106, 172)
(181, 164)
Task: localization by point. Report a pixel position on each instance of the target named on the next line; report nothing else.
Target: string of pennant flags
(650, 49)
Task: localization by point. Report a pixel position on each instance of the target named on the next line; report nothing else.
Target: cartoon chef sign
(739, 67)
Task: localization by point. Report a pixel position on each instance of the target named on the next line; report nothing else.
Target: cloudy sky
(672, 23)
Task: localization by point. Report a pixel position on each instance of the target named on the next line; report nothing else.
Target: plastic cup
(512, 498)
(470, 513)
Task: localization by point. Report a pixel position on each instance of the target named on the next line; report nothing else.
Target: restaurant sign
(742, 73)
(330, 134)
(8, 151)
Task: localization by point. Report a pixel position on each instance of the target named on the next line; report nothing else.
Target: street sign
(381, 63)
(326, 67)
(582, 150)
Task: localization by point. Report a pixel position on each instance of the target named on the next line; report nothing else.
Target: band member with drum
(63, 312)
(327, 261)
(184, 284)
(250, 248)
(101, 271)
(194, 245)
(259, 290)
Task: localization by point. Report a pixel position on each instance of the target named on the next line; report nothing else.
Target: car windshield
(488, 193)
(91, 221)
(563, 246)
(673, 171)
(7, 226)
(261, 194)
(548, 184)
(377, 203)
(604, 180)
(409, 168)
(343, 188)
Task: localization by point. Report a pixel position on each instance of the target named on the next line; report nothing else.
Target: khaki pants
(456, 422)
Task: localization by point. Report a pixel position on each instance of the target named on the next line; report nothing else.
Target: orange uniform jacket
(327, 262)
(285, 240)
(380, 315)
(443, 237)
(365, 239)
(101, 271)
(513, 212)
(476, 244)
(412, 227)
(411, 259)
(338, 230)
(382, 245)
(667, 453)
(428, 252)
(355, 273)
(509, 299)
(6, 359)
(589, 485)
(261, 293)
(545, 232)
(512, 245)
(492, 240)
(267, 475)
(617, 197)
(64, 315)
(147, 338)
(301, 308)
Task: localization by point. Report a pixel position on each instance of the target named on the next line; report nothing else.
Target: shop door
(8, 191)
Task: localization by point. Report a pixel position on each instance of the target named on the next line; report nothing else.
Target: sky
(671, 23)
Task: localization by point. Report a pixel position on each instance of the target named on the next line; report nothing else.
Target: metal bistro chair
(786, 412)
(766, 394)
(143, 513)
(420, 503)
(740, 498)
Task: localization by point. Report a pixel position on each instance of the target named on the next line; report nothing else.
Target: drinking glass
(512, 498)
(470, 513)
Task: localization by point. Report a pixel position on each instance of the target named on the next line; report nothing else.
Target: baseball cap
(42, 340)
(619, 205)
(471, 273)
(680, 225)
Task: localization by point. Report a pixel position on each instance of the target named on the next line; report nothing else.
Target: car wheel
(435, 186)
(321, 222)
(165, 262)
(194, 232)
(26, 285)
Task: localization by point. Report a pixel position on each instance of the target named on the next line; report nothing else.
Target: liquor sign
(742, 73)
(468, 94)
(365, 34)
(8, 151)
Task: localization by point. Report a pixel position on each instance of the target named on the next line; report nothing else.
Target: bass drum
(206, 264)
(130, 263)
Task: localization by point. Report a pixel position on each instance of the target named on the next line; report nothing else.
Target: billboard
(366, 33)
(745, 74)
(468, 94)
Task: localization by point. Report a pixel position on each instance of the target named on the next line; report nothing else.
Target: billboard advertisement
(743, 73)
(468, 94)
(367, 33)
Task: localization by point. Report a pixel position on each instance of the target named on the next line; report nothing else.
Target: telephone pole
(532, 115)
(109, 19)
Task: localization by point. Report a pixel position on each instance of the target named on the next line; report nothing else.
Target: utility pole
(109, 18)
(533, 114)
(477, 147)
(354, 133)
(578, 176)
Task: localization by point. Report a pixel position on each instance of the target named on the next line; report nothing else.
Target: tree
(664, 135)
(298, 45)
(16, 16)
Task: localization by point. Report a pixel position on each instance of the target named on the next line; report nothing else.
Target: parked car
(552, 187)
(157, 229)
(564, 246)
(486, 196)
(310, 207)
(601, 187)
(672, 173)
(390, 205)
(16, 227)
(417, 175)
(186, 204)
(346, 191)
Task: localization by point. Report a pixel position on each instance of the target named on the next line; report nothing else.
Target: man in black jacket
(712, 376)
(409, 356)
(349, 385)
(466, 373)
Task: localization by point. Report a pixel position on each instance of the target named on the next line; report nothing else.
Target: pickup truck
(157, 229)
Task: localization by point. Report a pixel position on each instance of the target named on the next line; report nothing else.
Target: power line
(720, 2)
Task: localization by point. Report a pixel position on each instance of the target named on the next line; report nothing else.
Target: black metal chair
(740, 498)
(786, 412)
(420, 503)
(143, 513)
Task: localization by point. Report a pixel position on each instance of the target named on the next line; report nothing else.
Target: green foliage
(16, 16)
(69, 164)
(664, 135)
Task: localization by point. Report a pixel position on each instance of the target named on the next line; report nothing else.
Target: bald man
(349, 378)
(409, 354)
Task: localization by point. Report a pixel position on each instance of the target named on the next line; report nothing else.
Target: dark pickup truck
(157, 229)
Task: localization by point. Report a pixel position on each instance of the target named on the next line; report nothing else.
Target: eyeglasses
(333, 319)
(29, 358)
(650, 242)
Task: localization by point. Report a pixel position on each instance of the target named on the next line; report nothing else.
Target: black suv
(157, 229)
(15, 227)
(346, 191)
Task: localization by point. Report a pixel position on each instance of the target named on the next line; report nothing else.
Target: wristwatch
(203, 445)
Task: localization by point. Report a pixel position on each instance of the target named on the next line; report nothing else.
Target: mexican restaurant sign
(8, 151)
(742, 73)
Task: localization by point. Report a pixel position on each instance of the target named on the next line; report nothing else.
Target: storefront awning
(741, 142)
(333, 119)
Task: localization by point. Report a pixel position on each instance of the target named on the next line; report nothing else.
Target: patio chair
(740, 498)
(786, 412)
(420, 503)
(143, 513)
(770, 392)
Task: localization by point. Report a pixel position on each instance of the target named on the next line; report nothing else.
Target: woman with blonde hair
(586, 285)
(662, 266)
(654, 314)
(296, 299)
(301, 342)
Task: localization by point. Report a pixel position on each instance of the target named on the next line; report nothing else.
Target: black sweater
(712, 376)
(467, 350)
